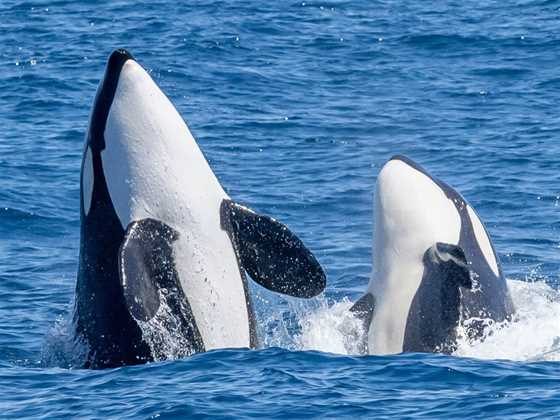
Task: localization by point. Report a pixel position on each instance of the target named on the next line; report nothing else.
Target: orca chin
(434, 266)
(163, 248)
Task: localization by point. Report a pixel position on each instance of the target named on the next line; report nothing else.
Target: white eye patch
(87, 180)
(483, 241)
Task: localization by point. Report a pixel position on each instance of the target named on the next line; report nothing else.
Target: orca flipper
(146, 265)
(363, 311)
(451, 264)
(271, 254)
(149, 279)
(435, 311)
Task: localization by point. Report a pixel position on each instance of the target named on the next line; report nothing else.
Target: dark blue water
(296, 105)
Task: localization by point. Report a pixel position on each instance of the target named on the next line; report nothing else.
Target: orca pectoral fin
(271, 254)
(451, 263)
(146, 265)
(435, 310)
(363, 309)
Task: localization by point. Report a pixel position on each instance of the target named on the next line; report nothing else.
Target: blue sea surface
(296, 105)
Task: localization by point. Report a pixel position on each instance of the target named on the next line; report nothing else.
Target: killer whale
(434, 266)
(163, 248)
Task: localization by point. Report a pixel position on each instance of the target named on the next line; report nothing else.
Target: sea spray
(328, 326)
(532, 335)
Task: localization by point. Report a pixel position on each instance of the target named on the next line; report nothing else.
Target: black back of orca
(489, 297)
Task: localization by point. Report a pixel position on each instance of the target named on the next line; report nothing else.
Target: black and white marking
(434, 264)
(161, 240)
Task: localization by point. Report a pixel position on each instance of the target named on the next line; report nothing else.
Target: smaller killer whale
(163, 249)
(433, 266)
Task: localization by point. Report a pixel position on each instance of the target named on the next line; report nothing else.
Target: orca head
(142, 148)
(415, 213)
(93, 186)
(436, 207)
(412, 213)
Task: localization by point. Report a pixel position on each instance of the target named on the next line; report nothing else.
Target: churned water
(296, 105)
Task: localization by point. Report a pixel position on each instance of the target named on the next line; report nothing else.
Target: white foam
(61, 348)
(163, 334)
(310, 325)
(331, 329)
(534, 334)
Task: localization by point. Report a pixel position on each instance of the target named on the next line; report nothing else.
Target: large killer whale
(163, 249)
(434, 266)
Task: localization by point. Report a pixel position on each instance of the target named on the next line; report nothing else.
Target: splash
(61, 348)
(331, 329)
(311, 325)
(165, 332)
(328, 326)
(534, 334)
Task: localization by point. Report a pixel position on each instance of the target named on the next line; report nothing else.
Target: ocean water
(297, 105)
